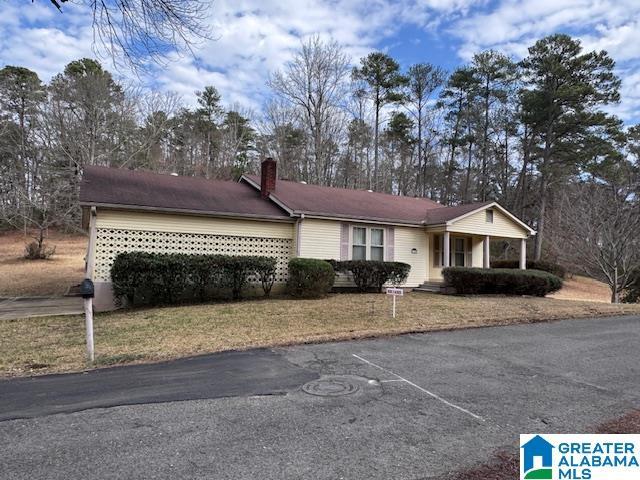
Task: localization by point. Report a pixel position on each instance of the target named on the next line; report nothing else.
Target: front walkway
(24, 307)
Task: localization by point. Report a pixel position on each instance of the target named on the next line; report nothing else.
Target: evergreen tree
(381, 73)
(565, 90)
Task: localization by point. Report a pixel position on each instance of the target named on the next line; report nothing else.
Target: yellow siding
(407, 239)
(320, 239)
(502, 225)
(161, 222)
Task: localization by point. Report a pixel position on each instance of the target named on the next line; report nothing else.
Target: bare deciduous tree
(138, 31)
(599, 231)
(315, 82)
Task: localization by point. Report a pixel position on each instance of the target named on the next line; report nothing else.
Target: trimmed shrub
(129, 273)
(206, 270)
(266, 272)
(310, 277)
(553, 268)
(369, 274)
(141, 277)
(236, 271)
(501, 280)
(38, 251)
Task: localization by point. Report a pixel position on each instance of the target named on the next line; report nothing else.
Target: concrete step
(429, 287)
(426, 290)
(434, 287)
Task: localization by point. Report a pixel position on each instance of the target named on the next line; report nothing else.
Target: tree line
(535, 135)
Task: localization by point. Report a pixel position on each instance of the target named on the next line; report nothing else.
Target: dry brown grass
(53, 344)
(21, 277)
(583, 288)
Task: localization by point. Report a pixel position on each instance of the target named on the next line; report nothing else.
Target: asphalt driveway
(406, 407)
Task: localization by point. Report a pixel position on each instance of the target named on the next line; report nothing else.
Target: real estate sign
(395, 292)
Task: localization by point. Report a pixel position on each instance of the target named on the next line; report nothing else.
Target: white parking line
(424, 390)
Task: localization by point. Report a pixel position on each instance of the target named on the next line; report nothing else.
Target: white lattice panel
(111, 242)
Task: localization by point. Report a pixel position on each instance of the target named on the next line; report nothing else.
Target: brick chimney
(268, 177)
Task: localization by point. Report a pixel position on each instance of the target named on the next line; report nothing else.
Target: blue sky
(255, 37)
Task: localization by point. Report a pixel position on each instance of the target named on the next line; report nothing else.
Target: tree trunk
(537, 253)
(615, 293)
(419, 183)
(375, 141)
(465, 194)
(485, 141)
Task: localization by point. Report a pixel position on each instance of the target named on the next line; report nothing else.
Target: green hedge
(553, 268)
(310, 277)
(501, 280)
(156, 278)
(368, 274)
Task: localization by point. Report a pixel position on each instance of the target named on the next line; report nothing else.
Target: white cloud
(512, 26)
(254, 37)
(621, 41)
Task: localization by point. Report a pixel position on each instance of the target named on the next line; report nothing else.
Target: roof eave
(333, 216)
(492, 205)
(204, 213)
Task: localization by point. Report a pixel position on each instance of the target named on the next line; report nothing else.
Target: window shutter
(344, 241)
(390, 244)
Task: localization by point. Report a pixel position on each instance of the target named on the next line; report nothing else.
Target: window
(489, 216)
(458, 252)
(438, 251)
(377, 244)
(367, 243)
(359, 243)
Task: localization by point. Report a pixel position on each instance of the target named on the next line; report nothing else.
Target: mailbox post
(87, 292)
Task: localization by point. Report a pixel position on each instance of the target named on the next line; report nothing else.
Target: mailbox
(86, 288)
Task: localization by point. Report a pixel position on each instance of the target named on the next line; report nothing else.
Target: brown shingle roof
(346, 203)
(143, 189)
(153, 191)
(443, 215)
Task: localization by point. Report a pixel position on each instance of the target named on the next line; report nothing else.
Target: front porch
(461, 237)
(455, 249)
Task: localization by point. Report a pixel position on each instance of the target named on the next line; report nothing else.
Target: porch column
(446, 250)
(523, 253)
(486, 252)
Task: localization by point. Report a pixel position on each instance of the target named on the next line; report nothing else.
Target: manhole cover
(329, 387)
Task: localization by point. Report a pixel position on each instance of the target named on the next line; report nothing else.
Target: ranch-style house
(262, 215)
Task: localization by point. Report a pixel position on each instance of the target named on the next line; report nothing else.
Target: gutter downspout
(298, 233)
(91, 248)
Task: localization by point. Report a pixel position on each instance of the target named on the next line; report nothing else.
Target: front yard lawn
(54, 276)
(56, 344)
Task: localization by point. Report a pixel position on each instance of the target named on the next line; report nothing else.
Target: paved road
(232, 374)
(423, 406)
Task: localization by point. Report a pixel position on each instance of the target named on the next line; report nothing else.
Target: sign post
(395, 292)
